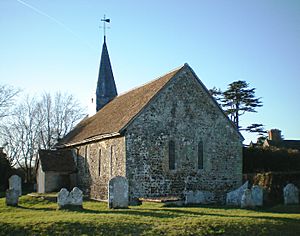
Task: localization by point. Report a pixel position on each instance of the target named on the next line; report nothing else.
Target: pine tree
(237, 100)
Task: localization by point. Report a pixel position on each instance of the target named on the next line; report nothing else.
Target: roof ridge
(151, 81)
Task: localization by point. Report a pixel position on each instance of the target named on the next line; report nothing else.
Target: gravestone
(75, 197)
(257, 195)
(247, 201)
(198, 197)
(234, 197)
(290, 194)
(15, 182)
(66, 199)
(118, 192)
(12, 197)
(63, 198)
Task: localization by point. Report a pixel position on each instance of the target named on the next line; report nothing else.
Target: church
(167, 137)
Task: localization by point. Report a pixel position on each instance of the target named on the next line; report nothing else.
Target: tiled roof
(57, 160)
(114, 116)
(289, 144)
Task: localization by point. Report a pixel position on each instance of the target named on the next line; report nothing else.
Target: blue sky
(56, 45)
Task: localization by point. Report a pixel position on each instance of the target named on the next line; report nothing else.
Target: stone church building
(166, 137)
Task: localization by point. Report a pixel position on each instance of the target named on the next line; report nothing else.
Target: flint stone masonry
(12, 197)
(181, 111)
(118, 192)
(291, 194)
(257, 195)
(15, 182)
(66, 198)
(97, 163)
(234, 197)
(198, 197)
(246, 200)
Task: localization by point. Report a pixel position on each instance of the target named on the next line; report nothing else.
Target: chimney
(275, 135)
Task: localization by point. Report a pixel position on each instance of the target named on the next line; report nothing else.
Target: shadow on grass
(185, 212)
(75, 228)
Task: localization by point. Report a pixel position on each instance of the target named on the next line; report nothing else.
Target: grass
(39, 216)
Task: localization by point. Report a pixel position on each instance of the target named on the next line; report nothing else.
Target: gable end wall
(184, 113)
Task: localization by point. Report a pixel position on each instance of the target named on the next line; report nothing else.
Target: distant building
(275, 140)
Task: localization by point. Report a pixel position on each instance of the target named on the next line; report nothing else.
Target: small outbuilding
(56, 169)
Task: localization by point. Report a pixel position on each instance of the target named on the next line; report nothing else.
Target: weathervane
(104, 25)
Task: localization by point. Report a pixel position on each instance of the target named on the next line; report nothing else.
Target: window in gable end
(171, 155)
(200, 155)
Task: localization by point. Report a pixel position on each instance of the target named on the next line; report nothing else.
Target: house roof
(57, 160)
(118, 113)
(289, 144)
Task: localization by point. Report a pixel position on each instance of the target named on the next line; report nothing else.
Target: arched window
(86, 156)
(99, 162)
(200, 155)
(171, 155)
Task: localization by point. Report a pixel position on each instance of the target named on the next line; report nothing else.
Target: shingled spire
(106, 87)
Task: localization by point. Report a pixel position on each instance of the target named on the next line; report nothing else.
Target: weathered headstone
(75, 197)
(291, 194)
(257, 195)
(63, 198)
(247, 201)
(198, 197)
(12, 197)
(118, 192)
(67, 199)
(15, 182)
(235, 197)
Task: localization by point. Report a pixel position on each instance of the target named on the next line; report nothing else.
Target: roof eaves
(91, 139)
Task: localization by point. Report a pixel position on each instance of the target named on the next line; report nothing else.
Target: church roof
(116, 114)
(57, 160)
(106, 87)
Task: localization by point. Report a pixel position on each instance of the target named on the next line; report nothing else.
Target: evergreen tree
(237, 100)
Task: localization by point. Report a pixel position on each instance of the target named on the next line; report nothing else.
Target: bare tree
(59, 116)
(21, 133)
(7, 99)
(38, 123)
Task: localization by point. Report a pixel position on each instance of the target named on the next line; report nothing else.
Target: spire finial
(105, 20)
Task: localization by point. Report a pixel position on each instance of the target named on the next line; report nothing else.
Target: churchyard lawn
(39, 216)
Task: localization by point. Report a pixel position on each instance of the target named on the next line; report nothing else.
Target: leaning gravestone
(247, 201)
(15, 182)
(66, 199)
(235, 197)
(12, 197)
(118, 192)
(291, 194)
(257, 195)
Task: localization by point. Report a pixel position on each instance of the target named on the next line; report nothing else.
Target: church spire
(106, 87)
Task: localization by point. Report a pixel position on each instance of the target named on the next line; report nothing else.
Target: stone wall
(54, 181)
(98, 162)
(184, 113)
